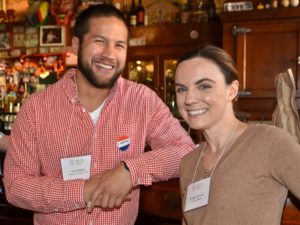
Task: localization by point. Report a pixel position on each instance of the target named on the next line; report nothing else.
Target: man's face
(102, 53)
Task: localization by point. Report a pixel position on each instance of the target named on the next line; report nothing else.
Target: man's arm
(26, 185)
(169, 142)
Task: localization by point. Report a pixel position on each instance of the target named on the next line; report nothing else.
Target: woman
(241, 173)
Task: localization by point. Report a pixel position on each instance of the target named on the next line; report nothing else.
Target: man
(77, 153)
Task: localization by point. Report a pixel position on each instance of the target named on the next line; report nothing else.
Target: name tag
(76, 167)
(197, 194)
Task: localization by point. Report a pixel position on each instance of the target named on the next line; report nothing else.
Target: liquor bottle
(140, 14)
(132, 14)
(211, 10)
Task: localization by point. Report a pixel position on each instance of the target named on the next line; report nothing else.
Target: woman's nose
(190, 97)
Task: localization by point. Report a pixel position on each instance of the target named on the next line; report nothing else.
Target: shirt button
(83, 110)
(56, 210)
(91, 223)
(138, 181)
(77, 206)
(95, 165)
(95, 135)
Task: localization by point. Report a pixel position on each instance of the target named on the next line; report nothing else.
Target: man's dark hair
(100, 10)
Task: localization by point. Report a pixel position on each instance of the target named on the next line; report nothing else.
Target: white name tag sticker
(76, 167)
(197, 194)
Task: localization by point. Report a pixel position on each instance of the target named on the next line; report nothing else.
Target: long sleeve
(25, 184)
(283, 157)
(169, 143)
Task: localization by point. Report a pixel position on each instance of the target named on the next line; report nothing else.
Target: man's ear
(75, 45)
(233, 90)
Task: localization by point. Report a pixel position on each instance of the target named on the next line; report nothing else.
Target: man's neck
(91, 97)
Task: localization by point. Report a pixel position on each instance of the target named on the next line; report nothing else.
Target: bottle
(132, 14)
(183, 5)
(211, 10)
(140, 14)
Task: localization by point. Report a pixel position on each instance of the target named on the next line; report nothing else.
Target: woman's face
(203, 98)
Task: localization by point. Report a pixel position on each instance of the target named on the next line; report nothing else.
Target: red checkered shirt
(53, 124)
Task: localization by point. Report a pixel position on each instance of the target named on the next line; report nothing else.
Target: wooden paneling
(263, 45)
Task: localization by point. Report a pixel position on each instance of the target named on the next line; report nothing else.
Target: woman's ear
(75, 45)
(233, 90)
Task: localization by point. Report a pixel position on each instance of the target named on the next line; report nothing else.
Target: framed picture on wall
(19, 40)
(4, 41)
(52, 36)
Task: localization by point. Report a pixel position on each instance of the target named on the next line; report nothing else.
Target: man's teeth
(108, 67)
(197, 112)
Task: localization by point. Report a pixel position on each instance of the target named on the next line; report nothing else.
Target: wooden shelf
(266, 14)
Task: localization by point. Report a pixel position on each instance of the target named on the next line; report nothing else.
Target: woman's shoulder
(266, 128)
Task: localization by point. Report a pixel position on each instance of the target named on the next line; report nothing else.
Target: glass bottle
(132, 14)
(140, 14)
(211, 10)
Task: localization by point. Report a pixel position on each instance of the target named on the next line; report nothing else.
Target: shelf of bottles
(142, 71)
(143, 12)
(23, 76)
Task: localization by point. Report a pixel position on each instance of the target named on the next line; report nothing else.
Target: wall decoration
(18, 33)
(3, 54)
(32, 37)
(30, 51)
(52, 36)
(16, 52)
(37, 13)
(18, 29)
(63, 10)
(4, 41)
(18, 40)
(44, 50)
(19, 7)
(55, 49)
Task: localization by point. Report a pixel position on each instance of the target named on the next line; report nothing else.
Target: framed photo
(238, 6)
(52, 36)
(32, 40)
(30, 51)
(4, 41)
(16, 52)
(19, 40)
(44, 50)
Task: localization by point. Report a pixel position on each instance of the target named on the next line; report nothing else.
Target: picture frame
(16, 52)
(18, 29)
(52, 35)
(19, 40)
(238, 6)
(4, 40)
(32, 40)
(32, 37)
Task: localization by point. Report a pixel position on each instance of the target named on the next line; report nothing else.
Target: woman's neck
(220, 136)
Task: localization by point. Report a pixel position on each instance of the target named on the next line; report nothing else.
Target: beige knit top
(251, 181)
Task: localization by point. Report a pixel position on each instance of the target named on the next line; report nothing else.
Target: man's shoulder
(132, 87)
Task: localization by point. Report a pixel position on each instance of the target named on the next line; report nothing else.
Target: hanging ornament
(63, 10)
(37, 13)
